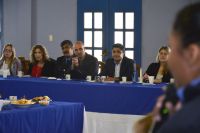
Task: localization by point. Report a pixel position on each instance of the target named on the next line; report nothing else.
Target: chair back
(25, 64)
(101, 66)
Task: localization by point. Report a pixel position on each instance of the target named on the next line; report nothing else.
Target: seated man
(119, 65)
(64, 62)
(83, 64)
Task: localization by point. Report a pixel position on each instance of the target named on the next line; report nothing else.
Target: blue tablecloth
(97, 97)
(58, 117)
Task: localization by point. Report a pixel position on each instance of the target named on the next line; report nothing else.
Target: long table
(58, 117)
(110, 107)
(137, 99)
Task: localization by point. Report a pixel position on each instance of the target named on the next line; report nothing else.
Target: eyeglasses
(8, 50)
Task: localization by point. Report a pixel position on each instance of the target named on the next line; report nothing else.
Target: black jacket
(153, 69)
(88, 66)
(63, 67)
(126, 68)
(48, 70)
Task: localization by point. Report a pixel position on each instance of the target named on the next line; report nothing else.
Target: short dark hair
(118, 45)
(68, 42)
(187, 25)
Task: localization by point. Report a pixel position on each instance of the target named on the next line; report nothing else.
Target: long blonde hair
(45, 55)
(168, 50)
(13, 56)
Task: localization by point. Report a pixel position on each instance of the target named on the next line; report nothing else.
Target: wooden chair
(25, 64)
(138, 69)
(101, 66)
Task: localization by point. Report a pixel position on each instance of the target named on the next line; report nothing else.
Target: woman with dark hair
(41, 64)
(184, 63)
(182, 115)
(9, 61)
(159, 69)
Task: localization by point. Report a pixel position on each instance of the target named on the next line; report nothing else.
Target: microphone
(170, 96)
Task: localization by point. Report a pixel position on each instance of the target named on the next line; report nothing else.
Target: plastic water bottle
(135, 74)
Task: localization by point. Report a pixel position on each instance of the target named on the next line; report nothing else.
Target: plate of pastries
(42, 100)
(22, 103)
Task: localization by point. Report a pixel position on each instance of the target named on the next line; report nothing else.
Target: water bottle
(135, 74)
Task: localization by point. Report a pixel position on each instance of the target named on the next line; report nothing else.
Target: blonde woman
(159, 69)
(41, 65)
(9, 61)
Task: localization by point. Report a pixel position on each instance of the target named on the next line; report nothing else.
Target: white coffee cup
(124, 79)
(1, 104)
(103, 78)
(19, 73)
(12, 98)
(151, 79)
(67, 76)
(88, 78)
(5, 73)
(171, 80)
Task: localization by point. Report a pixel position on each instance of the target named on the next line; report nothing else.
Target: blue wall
(53, 17)
(27, 22)
(17, 24)
(1, 22)
(157, 19)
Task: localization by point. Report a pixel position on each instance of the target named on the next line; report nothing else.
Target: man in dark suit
(184, 63)
(83, 64)
(64, 62)
(119, 65)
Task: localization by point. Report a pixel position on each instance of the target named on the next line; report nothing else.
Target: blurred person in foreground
(159, 69)
(41, 65)
(9, 61)
(83, 64)
(64, 62)
(184, 63)
(119, 65)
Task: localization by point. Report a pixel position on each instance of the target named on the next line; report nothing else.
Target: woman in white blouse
(9, 61)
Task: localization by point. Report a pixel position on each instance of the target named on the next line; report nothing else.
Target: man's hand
(145, 76)
(75, 62)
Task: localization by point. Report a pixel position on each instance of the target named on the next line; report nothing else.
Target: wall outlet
(51, 38)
